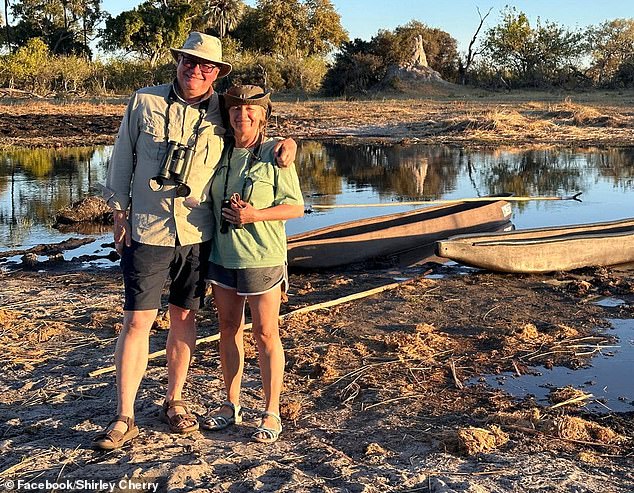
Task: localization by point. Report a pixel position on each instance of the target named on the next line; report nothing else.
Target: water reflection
(395, 172)
(35, 183)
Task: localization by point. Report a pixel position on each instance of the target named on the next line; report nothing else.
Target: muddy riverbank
(382, 394)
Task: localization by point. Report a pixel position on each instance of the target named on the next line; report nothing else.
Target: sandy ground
(382, 394)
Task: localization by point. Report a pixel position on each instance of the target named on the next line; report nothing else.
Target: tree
(440, 48)
(324, 32)
(224, 15)
(463, 68)
(148, 30)
(611, 45)
(291, 27)
(6, 24)
(532, 56)
(356, 69)
(67, 26)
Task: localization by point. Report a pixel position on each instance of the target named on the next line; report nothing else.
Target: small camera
(224, 224)
(176, 166)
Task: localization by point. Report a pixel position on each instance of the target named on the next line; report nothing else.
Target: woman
(252, 199)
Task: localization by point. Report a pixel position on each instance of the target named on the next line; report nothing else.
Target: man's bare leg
(131, 356)
(181, 343)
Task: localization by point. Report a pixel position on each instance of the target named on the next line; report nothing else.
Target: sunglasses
(189, 62)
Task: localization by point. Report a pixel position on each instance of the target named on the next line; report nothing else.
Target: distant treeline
(294, 45)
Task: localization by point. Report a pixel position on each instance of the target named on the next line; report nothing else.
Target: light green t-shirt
(264, 184)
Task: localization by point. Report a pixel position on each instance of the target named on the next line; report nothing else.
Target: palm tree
(6, 18)
(224, 15)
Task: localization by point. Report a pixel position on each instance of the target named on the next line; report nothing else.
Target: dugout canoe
(392, 234)
(537, 250)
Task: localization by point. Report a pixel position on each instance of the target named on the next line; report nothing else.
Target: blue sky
(363, 18)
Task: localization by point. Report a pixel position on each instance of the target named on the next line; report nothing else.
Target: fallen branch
(306, 309)
(572, 400)
(388, 401)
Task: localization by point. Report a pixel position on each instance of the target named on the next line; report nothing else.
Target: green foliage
(624, 76)
(532, 56)
(66, 26)
(221, 15)
(28, 68)
(440, 48)
(148, 30)
(356, 69)
(33, 68)
(291, 27)
(361, 65)
(122, 76)
(611, 46)
(297, 73)
(303, 74)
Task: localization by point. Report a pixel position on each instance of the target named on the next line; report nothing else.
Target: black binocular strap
(252, 158)
(203, 108)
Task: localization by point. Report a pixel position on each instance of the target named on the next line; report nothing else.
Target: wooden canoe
(558, 248)
(382, 236)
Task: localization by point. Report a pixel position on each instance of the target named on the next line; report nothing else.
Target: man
(166, 151)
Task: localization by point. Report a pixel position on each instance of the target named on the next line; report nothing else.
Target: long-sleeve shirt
(154, 116)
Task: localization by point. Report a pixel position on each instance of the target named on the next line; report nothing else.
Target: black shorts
(147, 267)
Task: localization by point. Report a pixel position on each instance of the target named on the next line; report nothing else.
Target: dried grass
(574, 428)
(564, 394)
(581, 115)
(528, 418)
(472, 440)
(421, 345)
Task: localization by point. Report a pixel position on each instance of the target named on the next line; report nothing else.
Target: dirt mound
(87, 210)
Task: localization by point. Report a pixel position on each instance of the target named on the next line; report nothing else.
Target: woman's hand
(241, 212)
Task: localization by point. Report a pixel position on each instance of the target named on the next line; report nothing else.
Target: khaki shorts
(249, 282)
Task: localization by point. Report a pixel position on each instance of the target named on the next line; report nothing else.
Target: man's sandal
(267, 435)
(178, 423)
(217, 421)
(113, 439)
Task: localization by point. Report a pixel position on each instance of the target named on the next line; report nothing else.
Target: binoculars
(224, 224)
(176, 166)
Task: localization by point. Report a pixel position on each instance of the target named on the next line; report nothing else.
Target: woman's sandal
(267, 435)
(219, 422)
(113, 439)
(178, 423)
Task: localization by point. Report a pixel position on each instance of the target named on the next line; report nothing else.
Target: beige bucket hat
(205, 47)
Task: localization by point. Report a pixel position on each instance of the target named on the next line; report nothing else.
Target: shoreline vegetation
(383, 393)
(434, 114)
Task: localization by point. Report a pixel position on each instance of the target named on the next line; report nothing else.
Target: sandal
(178, 423)
(267, 435)
(113, 439)
(219, 422)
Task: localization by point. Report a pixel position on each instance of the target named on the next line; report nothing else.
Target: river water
(35, 183)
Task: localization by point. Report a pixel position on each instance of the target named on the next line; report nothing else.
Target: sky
(363, 18)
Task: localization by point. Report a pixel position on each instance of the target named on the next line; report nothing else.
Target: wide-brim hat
(248, 94)
(206, 48)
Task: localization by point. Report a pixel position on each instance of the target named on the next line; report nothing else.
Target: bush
(624, 76)
(29, 68)
(122, 76)
(272, 71)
